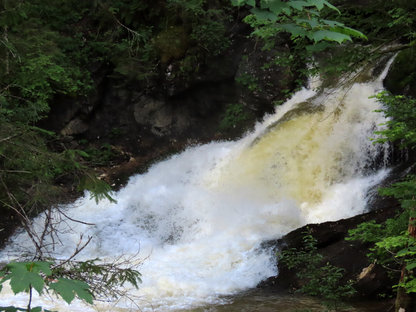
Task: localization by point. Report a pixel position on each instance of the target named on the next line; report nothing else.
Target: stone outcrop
(370, 279)
(174, 108)
(401, 78)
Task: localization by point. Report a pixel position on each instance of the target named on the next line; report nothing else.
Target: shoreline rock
(370, 279)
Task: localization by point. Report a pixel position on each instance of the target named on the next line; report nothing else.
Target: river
(197, 219)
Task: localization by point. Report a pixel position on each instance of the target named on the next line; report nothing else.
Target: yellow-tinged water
(290, 161)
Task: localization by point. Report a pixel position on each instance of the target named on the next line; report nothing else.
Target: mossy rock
(401, 78)
(172, 43)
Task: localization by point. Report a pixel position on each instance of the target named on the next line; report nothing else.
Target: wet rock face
(177, 107)
(262, 81)
(370, 279)
(401, 78)
(154, 114)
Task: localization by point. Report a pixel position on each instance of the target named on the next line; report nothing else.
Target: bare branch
(73, 220)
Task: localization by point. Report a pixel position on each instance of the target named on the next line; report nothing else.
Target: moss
(172, 43)
(401, 78)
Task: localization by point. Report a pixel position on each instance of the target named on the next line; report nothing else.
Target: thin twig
(73, 220)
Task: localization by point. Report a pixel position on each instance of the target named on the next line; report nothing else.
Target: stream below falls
(194, 223)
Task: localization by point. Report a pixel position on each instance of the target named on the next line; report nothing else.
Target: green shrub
(322, 280)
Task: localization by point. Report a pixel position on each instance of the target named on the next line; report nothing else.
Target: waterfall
(198, 218)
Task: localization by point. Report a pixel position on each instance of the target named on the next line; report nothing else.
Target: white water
(199, 217)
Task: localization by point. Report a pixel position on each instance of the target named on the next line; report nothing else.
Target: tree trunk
(6, 40)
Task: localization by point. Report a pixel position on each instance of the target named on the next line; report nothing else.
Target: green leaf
(328, 35)
(83, 154)
(329, 5)
(39, 266)
(332, 23)
(43, 131)
(276, 6)
(349, 31)
(411, 266)
(313, 22)
(237, 2)
(68, 289)
(298, 5)
(263, 15)
(24, 275)
(294, 30)
(392, 242)
(11, 309)
(319, 4)
(243, 2)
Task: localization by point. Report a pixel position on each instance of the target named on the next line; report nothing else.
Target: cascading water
(199, 218)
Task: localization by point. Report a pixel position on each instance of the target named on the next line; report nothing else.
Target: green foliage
(100, 156)
(401, 126)
(302, 19)
(195, 31)
(84, 280)
(111, 275)
(68, 289)
(372, 232)
(403, 191)
(29, 169)
(397, 249)
(388, 238)
(24, 276)
(381, 21)
(98, 189)
(368, 232)
(323, 280)
(248, 81)
(234, 116)
(403, 249)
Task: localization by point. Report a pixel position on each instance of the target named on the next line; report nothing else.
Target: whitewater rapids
(198, 218)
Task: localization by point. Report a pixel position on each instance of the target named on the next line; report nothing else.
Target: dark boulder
(370, 279)
(401, 78)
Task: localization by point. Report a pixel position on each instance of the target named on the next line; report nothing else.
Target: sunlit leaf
(411, 266)
(68, 289)
(24, 275)
(349, 31)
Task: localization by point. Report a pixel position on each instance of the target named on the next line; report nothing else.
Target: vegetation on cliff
(394, 241)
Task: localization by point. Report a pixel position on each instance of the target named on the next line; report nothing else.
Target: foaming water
(198, 218)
